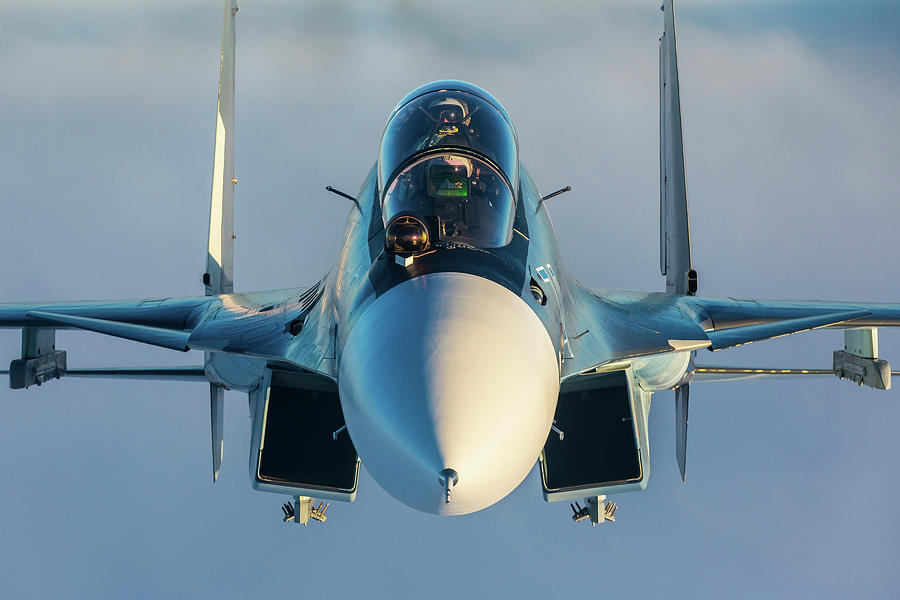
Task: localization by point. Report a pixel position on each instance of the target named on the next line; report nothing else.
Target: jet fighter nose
(448, 384)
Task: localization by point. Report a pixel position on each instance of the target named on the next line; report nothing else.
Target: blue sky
(791, 124)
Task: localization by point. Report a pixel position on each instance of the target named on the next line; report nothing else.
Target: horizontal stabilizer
(144, 373)
(738, 336)
(711, 373)
(156, 336)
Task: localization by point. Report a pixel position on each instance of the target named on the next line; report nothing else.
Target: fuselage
(450, 363)
(454, 362)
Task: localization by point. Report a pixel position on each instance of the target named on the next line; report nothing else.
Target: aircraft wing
(725, 313)
(607, 326)
(262, 324)
(162, 313)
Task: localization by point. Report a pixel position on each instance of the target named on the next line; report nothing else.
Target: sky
(790, 113)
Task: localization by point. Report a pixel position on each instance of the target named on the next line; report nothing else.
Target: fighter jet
(449, 349)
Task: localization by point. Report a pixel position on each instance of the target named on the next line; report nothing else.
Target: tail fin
(217, 426)
(219, 275)
(682, 396)
(674, 228)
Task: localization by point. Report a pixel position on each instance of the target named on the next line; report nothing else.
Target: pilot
(451, 118)
(447, 183)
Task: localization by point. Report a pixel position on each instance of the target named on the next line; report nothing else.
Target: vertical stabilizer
(219, 275)
(682, 398)
(674, 229)
(217, 426)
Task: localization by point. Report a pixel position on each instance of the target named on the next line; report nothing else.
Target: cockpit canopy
(449, 158)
